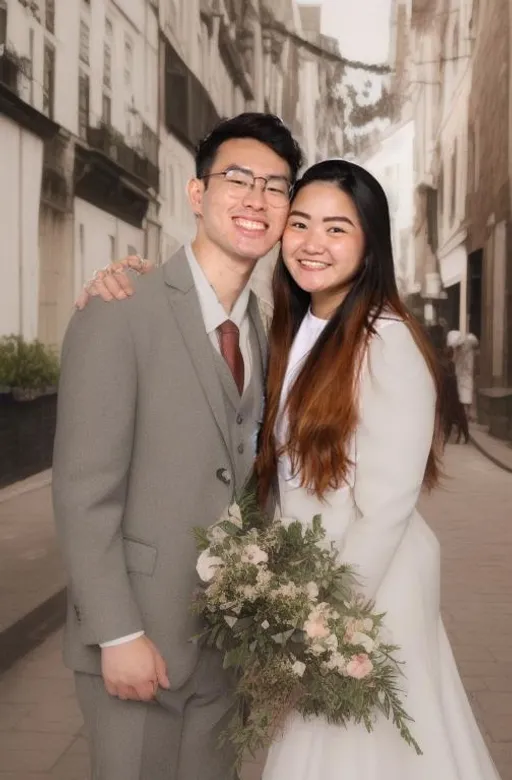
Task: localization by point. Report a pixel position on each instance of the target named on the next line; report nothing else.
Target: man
(159, 404)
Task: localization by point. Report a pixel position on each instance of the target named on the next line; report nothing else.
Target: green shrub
(27, 365)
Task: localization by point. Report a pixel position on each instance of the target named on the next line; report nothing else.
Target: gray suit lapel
(187, 310)
(256, 320)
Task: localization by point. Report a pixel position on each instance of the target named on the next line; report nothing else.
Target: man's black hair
(266, 128)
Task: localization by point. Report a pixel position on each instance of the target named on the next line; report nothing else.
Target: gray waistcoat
(244, 413)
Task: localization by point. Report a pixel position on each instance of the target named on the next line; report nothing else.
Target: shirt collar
(212, 310)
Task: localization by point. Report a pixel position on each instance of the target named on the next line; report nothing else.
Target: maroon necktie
(229, 340)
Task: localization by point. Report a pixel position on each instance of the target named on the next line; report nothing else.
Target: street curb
(486, 453)
(31, 630)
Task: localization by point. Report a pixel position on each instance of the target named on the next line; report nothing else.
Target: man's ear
(195, 192)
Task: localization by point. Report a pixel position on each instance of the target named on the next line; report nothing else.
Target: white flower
(250, 592)
(254, 554)
(208, 565)
(336, 663)
(365, 641)
(265, 625)
(235, 515)
(317, 649)
(263, 577)
(216, 535)
(312, 590)
(331, 642)
(299, 668)
(289, 591)
(367, 624)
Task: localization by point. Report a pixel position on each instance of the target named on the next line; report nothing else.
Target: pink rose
(359, 666)
(316, 628)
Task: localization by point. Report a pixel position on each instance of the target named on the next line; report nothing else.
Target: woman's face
(323, 244)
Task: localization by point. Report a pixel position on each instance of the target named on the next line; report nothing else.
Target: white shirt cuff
(122, 639)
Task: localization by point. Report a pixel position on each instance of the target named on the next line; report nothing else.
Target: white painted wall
(392, 166)
(177, 167)
(99, 237)
(20, 175)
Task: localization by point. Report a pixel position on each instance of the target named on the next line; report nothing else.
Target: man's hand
(112, 283)
(133, 670)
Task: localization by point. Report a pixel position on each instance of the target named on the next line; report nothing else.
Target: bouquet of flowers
(288, 619)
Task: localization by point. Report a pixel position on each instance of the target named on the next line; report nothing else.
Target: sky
(362, 27)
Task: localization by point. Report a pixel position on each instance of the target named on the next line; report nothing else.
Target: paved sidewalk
(40, 727)
(498, 451)
(31, 575)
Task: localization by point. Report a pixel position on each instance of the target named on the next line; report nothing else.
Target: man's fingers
(161, 672)
(114, 286)
(110, 687)
(124, 282)
(127, 693)
(146, 691)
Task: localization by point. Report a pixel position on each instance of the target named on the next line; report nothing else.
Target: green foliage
(289, 620)
(27, 365)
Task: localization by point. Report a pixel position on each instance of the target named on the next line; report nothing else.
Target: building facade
(102, 103)
(489, 198)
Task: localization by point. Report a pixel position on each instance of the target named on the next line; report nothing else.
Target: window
(83, 51)
(107, 65)
(107, 54)
(83, 104)
(471, 159)
(455, 42)
(81, 243)
(170, 190)
(106, 109)
(128, 61)
(3, 22)
(31, 45)
(453, 202)
(50, 16)
(48, 80)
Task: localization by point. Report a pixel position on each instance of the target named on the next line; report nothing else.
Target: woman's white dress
(375, 523)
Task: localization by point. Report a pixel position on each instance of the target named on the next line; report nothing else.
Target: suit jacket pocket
(140, 557)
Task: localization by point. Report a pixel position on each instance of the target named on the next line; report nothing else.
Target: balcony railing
(112, 144)
(189, 111)
(10, 70)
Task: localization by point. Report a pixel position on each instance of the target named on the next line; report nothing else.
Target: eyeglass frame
(239, 169)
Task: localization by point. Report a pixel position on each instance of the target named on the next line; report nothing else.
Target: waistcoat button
(224, 476)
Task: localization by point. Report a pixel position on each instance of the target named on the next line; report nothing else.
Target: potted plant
(28, 402)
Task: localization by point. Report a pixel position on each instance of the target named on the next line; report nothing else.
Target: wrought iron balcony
(10, 70)
(15, 83)
(189, 111)
(112, 144)
(56, 184)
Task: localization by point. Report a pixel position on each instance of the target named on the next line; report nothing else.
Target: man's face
(241, 220)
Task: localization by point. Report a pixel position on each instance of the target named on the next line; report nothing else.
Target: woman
(463, 351)
(353, 429)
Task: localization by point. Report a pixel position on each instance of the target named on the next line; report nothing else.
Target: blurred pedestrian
(464, 348)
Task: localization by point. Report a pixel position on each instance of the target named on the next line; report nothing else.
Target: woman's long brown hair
(322, 407)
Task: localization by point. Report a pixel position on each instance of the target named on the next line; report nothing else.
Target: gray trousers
(175, 737)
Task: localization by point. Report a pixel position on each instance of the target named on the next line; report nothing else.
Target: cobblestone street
(40, 727)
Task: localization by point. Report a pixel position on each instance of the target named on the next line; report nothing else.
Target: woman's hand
(112, 282)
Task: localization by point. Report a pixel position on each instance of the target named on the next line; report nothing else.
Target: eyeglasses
(240, 181)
